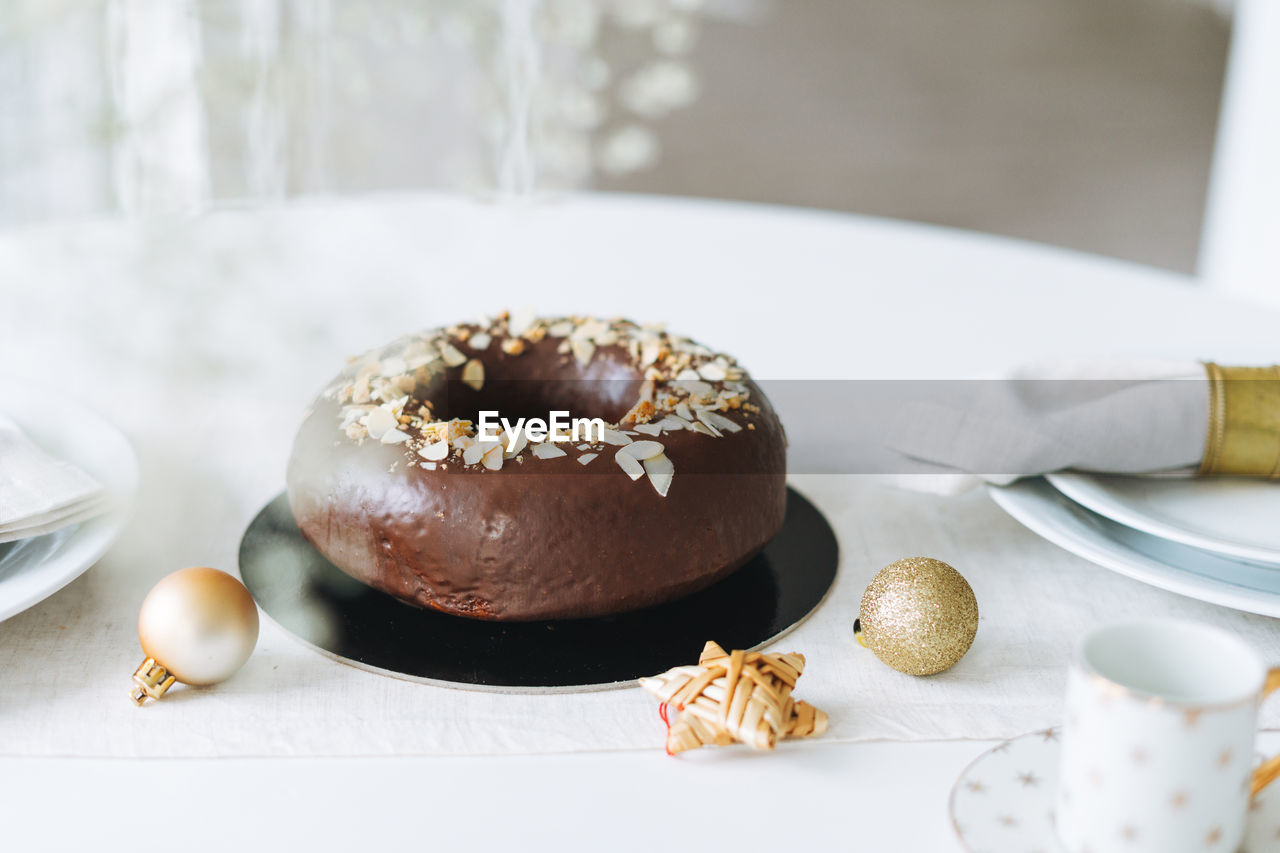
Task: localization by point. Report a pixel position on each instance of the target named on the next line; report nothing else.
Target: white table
(891, 300)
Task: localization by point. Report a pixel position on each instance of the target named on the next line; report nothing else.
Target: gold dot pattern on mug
(1003, 802)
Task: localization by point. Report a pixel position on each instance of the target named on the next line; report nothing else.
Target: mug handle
(1269, 770)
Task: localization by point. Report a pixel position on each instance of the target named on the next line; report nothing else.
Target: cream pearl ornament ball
(197, 626)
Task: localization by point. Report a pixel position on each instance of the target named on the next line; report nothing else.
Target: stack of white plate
(33, 569)
(1216, 540)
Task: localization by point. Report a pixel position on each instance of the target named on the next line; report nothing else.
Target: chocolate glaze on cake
(526, 537)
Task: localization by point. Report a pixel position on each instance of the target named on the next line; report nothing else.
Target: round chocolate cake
(524, 468)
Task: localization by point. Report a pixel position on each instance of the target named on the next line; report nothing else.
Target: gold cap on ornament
(151, 680)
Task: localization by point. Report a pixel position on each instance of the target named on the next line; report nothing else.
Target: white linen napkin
(39, 493)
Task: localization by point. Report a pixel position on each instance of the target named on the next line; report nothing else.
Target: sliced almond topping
(587, 457)
(699, 426)
(695, 386)
(661, 472)
(712, 372)
(672, 423)
(546, 450)
(630, 464)
(520, 320)
(643, 449)
(717, 421)
(379, 420)
(451, 355)
(649, 351)
(394, 436)
(393, 366)
(351, 414)
(492, 458)
(612, 436)
(430, 466)
(589, 329)
(422, 359)
(583, 350)
(685, 386)
(436, 451)
(473, 374)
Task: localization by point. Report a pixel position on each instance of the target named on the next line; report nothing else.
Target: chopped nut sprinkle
(687, 387)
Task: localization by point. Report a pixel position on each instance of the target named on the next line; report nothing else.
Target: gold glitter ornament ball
(918, 615)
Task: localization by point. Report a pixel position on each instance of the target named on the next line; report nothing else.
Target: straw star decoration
(735, 696)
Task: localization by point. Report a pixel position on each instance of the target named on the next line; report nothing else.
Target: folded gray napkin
(1126, 417)
(39, 493)
(1130, 417)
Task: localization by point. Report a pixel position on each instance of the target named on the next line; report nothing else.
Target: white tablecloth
(203, 340)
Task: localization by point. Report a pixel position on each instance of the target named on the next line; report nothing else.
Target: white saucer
(1168, 565)
(1003, 801)
(33, 569)
(1230, 516)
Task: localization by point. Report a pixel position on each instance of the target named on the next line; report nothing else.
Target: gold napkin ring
(1243, 439)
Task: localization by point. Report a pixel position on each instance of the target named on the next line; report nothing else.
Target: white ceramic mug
(1157, 746)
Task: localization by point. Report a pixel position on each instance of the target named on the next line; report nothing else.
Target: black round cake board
(341, 617)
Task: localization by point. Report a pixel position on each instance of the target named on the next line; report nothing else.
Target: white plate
(1169, 565)
(1235, 517)
(31, 570)
(1003, 801)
